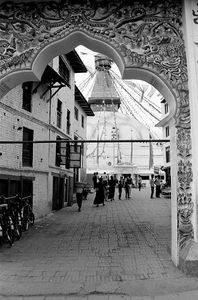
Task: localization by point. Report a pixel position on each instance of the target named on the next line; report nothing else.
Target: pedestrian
(95, 178)
(139, 183)
(120, 186)
(152, 185)
(129, 181)
(99, 198)
(112, 185)
(126, 187)
(79, 196)
(85, 193)
(158, 186)
(105, 184)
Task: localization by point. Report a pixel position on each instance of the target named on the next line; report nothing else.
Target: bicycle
(6, 225)
(14, 212)
(27, 215)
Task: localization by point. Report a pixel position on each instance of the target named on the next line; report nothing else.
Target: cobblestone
(119, 251)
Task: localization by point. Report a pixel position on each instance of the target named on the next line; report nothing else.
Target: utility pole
(131, 148)
(97, 152)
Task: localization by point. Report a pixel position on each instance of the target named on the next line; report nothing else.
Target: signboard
(156, 170)
(75, 156)
(70, 155)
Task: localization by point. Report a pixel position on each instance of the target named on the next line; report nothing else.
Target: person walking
(126, 187)
(129, 181)
(111, 184)
(79, 196)
(139, 183)
(105, 184)
(158, 186)
(85, 193)
(152, 185)
(100, 196)
(120, 186)
(94, 179)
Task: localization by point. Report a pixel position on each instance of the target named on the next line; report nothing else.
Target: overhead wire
(139, 90)
(137, 102)
(129, 107)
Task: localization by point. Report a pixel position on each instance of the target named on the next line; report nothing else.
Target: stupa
(109, 123)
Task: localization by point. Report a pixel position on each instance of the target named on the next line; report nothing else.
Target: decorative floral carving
(195, 14)
(185, 228)
(184, 174)
(184, 142)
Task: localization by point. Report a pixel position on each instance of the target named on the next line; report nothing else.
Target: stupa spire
(103, 95)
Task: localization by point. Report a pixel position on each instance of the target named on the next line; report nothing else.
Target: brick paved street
(120, 250)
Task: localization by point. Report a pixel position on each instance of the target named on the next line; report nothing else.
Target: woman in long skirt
(112, 184)
(100, 196)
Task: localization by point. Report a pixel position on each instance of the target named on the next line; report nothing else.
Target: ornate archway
(144, 39)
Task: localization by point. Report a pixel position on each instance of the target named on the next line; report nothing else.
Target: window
(82, 121)
(63, 70)
(27, 150)
(76, 113)
(59, 113)
(166, 108)
(68, 122)
(167, 131)
(167, 150)
(27, 96)
(58, 152)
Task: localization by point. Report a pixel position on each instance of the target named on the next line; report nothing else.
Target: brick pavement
(116, 251)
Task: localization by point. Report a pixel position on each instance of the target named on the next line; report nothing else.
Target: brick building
(50, 109)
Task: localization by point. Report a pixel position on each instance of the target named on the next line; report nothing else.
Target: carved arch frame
(144, 37)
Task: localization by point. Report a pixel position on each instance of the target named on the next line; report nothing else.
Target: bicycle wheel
(10, 235)
(1, 235)
(31, 218)
(18, 232)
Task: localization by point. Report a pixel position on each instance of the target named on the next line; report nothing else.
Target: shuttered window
(27, 96)
(27, 150)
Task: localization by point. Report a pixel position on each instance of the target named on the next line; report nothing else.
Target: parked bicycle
(6, 225)
(27, 215)
(14, 211)
(16, 215)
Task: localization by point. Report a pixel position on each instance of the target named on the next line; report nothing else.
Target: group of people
(155, 182)
(105, 185)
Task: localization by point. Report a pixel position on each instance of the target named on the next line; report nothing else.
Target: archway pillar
(191, 39)
(188, 255)
(174, 186)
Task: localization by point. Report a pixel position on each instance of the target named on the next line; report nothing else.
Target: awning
(76, 62)
(53, 80)
(83, 102)
(51, 76)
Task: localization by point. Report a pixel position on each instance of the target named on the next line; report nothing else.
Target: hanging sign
(70, 155)
(75, 156)
(156, 170)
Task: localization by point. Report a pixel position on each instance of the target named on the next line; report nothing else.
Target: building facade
(43, 111)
